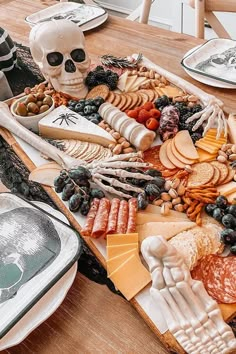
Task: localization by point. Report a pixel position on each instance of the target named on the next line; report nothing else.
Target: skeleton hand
(191, 315)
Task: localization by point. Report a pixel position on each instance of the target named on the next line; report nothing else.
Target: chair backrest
(204, 10)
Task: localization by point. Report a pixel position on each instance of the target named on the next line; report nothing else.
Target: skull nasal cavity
(70, 66)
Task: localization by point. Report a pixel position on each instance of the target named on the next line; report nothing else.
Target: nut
(188, 168)
(232, 157)
(181, 190)
(229, 152)
(175, 183)
(112, 131)
(191, 104)
(178, 99)
(165, 210)
(224, 147)
(165, 197)
(161, 85)
(169, 204)
(167, 185)
(125, 144)
(179, 207)
(121, 140)
(192, 98)
(116, 135)
(108, 129)
(233, 148)
(163, 80)
(222, 153)
(172, 192)
(128, 150)
(117, 149)
(111, 146)
(176, 201)
(158, 202)
(221, 159)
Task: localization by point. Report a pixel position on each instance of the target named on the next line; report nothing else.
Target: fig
(21, 109)
(32, 107)
(48, 101)
(30, 114)
(43, 108)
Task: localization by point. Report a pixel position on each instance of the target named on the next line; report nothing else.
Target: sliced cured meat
(218, 275)
(133, 207)
(122, 220)
(152, 156)
(87, 229)
(113, 216)
(101, 219)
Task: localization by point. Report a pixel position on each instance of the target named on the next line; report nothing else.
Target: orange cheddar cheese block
(131, 277)
(115, 262)
(205, 156)
(227, 189)
(207, 147)
(121, 239)
(231, 197)
(113, 251)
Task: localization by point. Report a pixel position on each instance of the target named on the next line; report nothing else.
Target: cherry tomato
(152, 124)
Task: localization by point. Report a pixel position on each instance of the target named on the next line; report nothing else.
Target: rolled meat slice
(122, 220)
(87, 229)
(133, 207)
(101, 219)
(113, 216)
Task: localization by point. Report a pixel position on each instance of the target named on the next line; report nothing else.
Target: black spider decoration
(66, 117)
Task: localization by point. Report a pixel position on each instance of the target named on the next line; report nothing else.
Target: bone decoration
(212, 115)
(192, 316)
(58, 48)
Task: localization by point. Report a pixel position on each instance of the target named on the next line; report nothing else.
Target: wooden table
(92, 319)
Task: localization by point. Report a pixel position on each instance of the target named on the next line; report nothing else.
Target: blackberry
(91, 81)
(111, 81)
(186, 116)
(162, 101)
(195, 137)
(99, 68)
(186, 126)
(196, 108)
(182, 108)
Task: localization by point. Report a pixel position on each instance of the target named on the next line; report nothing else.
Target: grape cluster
(185, 113)
(225, 214)
(152, 189)
(100, 76)
(87, 108)
(75, 188)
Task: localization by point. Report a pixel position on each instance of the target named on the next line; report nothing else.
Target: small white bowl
(29, 122)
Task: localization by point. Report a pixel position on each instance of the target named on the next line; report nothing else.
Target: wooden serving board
(228, 310)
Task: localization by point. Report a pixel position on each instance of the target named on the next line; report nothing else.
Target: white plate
(45, 307)
(89, 16)
(197, 54)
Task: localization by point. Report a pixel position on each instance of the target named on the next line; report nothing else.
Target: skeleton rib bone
(192, 316)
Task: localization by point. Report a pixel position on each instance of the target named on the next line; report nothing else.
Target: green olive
(48, 100)
(43, 108)
(40, 96)
(39, 103)
(21, 109)
(30, 98)
(30, 114)
(32, 107)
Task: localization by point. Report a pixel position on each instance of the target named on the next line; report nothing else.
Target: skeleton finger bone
(121, 157)
(114, 182)
(121, 173)
(110, 189)
(122, 164)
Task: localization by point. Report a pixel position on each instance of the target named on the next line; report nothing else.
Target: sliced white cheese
(138, 82)
(62, 123)
(143, 217)
(122, 81)
(130, 82)
(165, 229)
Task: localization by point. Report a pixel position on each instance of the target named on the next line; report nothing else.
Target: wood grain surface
(92, 319)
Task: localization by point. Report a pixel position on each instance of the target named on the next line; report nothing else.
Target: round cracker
(116, 100)
(230, 176)
(99, 91)
(128, 102)
(216, 176)
(122, 102)
(172, 157)
(224, 171)
(180, 157)
(202, 173)
(144, 96)
(149, 92)
(164, 157)
(110, 97)
(135, 99)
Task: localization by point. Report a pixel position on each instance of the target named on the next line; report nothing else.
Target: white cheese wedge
(62, 123)
(122, 81)
(130, 82)
(165, 229)
(139, 81)
(143, 217)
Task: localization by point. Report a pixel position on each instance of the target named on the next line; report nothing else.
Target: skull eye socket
(78, 55)
(55, 58)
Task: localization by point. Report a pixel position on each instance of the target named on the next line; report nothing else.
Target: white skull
(58, 48)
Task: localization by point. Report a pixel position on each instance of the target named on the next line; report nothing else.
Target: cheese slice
(113, 251)
(121, 239)
(166, 229)
(173, 214)
(171, 91)
(62, 123)
(231, 197)
(122, 81)
(115, 262)
(227, 189)
(205, 156)
(232, 127)
(138, 82)
(130, 81)
(144, 218)
(131, 277)
(207, 147)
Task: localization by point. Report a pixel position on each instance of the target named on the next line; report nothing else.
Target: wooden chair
(204, 10)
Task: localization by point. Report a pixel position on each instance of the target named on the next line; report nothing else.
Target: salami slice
(113, 216)
(133, 207)
(101, 219)
(87, 229)
(122, 220)
(218, 275)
